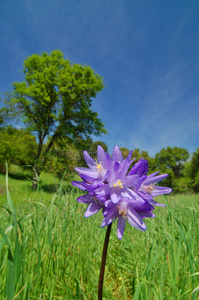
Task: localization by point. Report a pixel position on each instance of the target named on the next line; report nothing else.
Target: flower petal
(89, 172)
(161, 190)
(140, 168)
(110, 216)
(89, 160)
(79, 184)
(117, 154)
(92, 209)
(134, 197)
(130, 181)
(155, 179)
(125, 164)
(103, 190)
(85, 199)
(101, 154)
(115, 197)
(152, 202)
(120, 226)
(146, 214)
(135, 220)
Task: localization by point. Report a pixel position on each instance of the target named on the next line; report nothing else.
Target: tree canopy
(18, 147)
(172, 158)
(55, 99)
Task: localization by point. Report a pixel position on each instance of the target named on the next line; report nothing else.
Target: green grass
(20, 185)
(48, 250)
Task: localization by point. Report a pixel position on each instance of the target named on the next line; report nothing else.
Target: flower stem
(103, 262)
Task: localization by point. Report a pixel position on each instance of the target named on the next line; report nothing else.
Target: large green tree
(172, 158)
(55, 99)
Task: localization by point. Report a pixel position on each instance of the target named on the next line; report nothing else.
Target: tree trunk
(37, 166)
(36, 169)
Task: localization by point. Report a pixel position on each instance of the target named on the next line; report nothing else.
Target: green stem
(103, 262)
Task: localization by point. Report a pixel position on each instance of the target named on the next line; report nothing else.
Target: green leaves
(19, 147)
(55, 100)
(172, 158)
(55, 94)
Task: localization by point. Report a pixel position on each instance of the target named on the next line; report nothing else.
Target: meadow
(49, 250)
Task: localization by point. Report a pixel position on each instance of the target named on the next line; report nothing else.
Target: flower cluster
(122, 195)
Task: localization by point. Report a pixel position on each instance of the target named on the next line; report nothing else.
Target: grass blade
(10, 278)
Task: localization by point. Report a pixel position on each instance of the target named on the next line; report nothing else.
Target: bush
(18, 147)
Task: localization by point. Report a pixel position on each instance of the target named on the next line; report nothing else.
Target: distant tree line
(20, 147)
(182, 167)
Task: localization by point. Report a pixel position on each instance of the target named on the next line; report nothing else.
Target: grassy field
(48, 250)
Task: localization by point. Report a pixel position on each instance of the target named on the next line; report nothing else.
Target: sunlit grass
(20, 185)
(53, 252)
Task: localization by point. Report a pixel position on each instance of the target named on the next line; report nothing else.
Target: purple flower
(127, 210)
(97, 169)
(95, 204)
(146, 186)
(122, 195)
(118, 183)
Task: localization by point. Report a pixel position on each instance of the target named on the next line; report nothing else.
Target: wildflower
(122, 195)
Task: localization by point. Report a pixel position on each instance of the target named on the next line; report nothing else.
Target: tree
(18, 147)
(172, 158)
(192, 171)
(8, 112)
(55, 99)
(194, 164)
(1, 117)
(63, 156)
(136, 155)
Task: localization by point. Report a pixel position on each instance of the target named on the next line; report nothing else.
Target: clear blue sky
(146, 50)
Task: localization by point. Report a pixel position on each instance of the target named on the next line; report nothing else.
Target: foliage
(194, 164)
(136, 153)
(18, 147)
(65, 155)
(192, 171)
(8, 113)
(62, 156)
(55, 99)
(125, 152)
(173, 161)
(1, 120)
(172, 158)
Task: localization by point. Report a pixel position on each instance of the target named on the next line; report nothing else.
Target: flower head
(122, 195)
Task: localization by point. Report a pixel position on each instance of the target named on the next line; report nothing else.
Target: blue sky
(146, 50)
